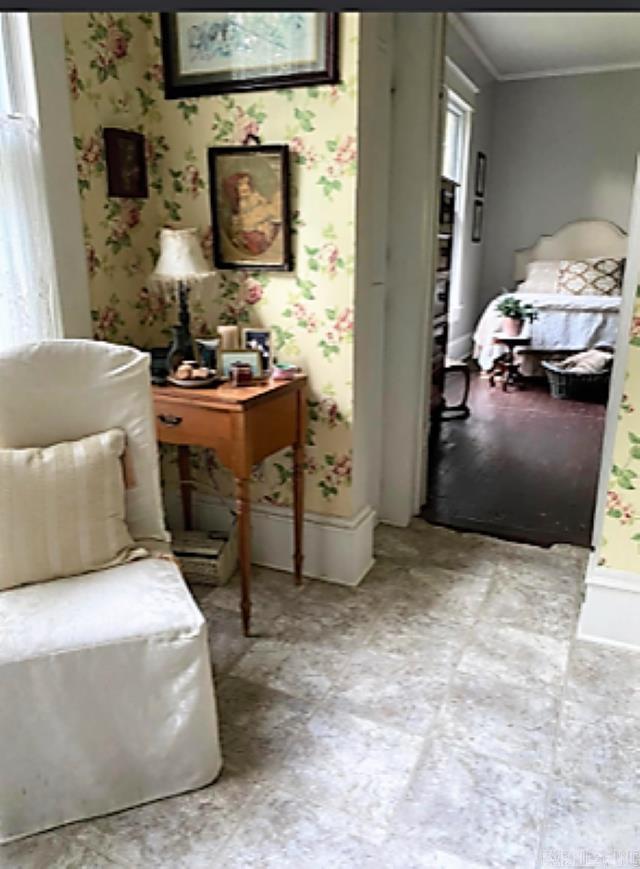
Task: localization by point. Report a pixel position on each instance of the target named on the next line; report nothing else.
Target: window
(454, 139)
(455, 165)
(29, 308)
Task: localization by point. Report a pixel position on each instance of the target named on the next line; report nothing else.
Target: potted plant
(514, 313)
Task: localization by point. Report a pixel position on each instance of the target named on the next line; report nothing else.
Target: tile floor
(441, 715)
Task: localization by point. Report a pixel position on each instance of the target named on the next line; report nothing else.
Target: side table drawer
(178, 423)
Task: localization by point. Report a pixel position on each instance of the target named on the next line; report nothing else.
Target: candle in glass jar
(228, 337)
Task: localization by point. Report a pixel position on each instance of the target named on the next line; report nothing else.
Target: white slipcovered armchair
(106, 693)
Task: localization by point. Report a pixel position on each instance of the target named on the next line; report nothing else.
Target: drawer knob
(167, 419)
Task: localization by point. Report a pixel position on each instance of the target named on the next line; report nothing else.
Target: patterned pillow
(597, 276)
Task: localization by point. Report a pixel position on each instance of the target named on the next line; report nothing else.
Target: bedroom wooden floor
(524, 466)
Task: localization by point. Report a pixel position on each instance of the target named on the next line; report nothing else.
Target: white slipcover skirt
(106, 696)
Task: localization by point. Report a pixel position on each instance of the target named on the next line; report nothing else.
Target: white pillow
(62, 510)
(542, 276)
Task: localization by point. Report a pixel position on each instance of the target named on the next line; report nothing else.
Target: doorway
(525, 464)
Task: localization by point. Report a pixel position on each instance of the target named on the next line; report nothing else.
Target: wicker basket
(576, 386)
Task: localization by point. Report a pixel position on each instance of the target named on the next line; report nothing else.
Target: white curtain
(29, 307)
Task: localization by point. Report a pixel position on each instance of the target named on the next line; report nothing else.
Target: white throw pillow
(62, 510)
(542, 276)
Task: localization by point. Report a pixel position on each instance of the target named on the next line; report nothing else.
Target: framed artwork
(260, 340)
(126, 163)
(481, 173)
(217, 52)
(229, 357)
(476, 225)
(250, 211)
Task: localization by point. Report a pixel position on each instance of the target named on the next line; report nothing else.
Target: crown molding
(575, 70)
(465, 34)
(472, 43)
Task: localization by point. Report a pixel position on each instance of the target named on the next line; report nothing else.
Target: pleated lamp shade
(181, 259)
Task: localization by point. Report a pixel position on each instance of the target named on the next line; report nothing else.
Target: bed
(573, 278)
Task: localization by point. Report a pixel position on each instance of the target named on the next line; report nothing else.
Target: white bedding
(565, 322)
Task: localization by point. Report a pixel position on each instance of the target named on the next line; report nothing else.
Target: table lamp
(180, 266)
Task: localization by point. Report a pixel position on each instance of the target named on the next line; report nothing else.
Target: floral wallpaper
(115, 79)
(619, 547)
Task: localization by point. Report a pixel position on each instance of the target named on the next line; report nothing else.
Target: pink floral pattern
(115, 75)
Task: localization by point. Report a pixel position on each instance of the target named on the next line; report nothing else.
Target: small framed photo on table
(260, 340)
(227, 358)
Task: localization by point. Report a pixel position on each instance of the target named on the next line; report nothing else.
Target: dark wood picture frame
(478, 219)
(126, 164)
(204, 84)
(285, 263)
(481, 174)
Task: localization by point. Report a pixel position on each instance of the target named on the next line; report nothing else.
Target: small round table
(506, 365)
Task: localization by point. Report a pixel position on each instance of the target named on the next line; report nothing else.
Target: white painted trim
(413, 200)
(460, 347)
(335, 549)
(63, 198)
(453, 67)
(472, 43)
(611, 611)
(572, 70)
(631, 277)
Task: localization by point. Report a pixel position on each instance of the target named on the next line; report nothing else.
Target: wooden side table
(506, 365)
(243, 425)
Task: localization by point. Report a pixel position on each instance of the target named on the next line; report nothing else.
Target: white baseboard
(460, 347)
(336, 550)
(611, 610)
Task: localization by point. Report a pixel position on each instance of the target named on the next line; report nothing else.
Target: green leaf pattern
(115, 77)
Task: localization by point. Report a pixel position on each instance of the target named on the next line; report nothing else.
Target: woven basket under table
(575, 385)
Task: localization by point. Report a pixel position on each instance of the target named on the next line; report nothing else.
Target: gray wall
(464, 322)
(562, 149)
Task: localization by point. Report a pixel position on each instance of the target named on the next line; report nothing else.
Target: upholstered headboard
(577, 240)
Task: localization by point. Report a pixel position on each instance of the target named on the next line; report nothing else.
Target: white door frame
(630, 285)
(415, 170)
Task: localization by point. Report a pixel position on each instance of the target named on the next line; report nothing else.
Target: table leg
(184, 470)
(243, 507)
(298, 488)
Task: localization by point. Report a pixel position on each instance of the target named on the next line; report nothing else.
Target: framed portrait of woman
(211, 52)
(250, 210)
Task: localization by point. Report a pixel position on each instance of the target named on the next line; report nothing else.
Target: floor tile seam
(225, 847)
(543, 772)
(601, 787)
(337, 806)
(468, 754)
(435, 725)
(68, 836)
(554, 751)
(360, 712)
(626, 717)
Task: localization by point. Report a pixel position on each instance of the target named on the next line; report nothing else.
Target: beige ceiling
(531, 44)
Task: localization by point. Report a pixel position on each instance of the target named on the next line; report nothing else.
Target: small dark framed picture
(260, 340)
(227, 358)
(250, 210)
(126, 163)
(476, 224)
(209, 52)
(481, 173)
